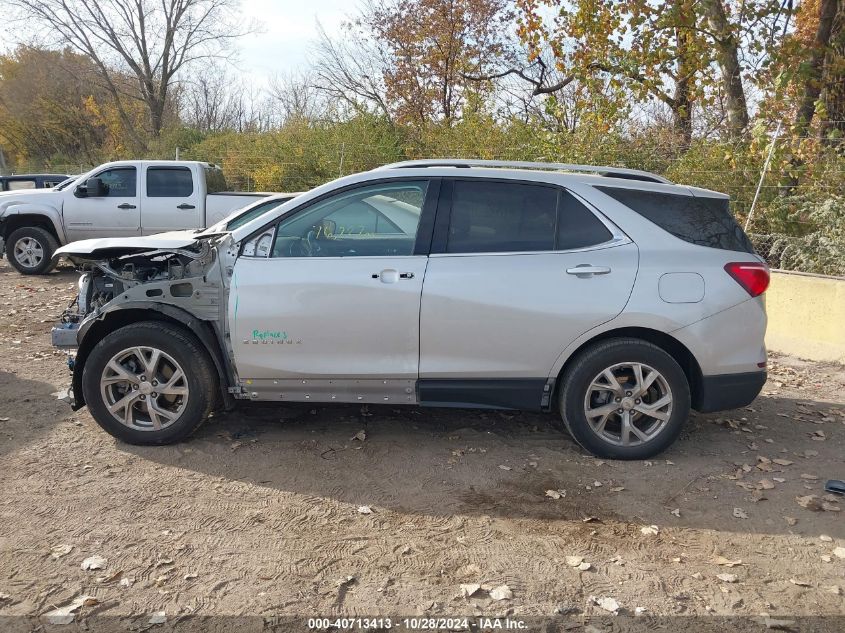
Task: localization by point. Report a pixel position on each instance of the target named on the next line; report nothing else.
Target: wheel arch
(669, 344)
(93, 332)
(13, 222)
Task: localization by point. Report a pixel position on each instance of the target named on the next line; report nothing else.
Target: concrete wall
(806, 316)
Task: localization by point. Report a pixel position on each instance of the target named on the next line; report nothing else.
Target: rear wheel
(149, 383)
(624, 399)
(30, 250)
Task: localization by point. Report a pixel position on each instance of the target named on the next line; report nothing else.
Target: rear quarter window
(701, 221)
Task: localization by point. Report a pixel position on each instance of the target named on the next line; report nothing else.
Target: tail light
(753, 276)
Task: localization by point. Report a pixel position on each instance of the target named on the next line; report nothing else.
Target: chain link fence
(813, 253)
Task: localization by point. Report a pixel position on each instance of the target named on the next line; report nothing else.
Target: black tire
(589, 364)
(45, 240)
(174, 341)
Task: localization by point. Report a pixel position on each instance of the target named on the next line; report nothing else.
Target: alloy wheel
(628, 404)
(144, 388)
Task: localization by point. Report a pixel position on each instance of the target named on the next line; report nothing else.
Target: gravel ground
(279, 512)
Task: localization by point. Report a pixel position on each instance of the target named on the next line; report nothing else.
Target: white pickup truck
(119, 199)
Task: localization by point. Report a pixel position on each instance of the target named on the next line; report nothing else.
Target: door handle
(185, 205)
(391, 276)
(587, 270)
(126, 205)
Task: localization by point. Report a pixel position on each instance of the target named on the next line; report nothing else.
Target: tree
(150, 40)
(48, 107)
(814, 66)
(409, 59)
(664, 51)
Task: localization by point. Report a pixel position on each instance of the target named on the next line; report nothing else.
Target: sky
(286, 30)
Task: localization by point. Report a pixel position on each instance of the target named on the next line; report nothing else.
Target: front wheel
(624, 399)
(30, 250)
(149, 383)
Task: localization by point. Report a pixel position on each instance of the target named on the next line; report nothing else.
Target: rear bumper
(729, 391)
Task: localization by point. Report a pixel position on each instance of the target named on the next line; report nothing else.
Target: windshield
(253, 213)
(243, 216)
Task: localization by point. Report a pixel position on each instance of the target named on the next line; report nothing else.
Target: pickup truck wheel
(624, 398)
(30, 250)
(149, 383)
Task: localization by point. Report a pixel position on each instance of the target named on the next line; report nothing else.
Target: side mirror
(94, 188)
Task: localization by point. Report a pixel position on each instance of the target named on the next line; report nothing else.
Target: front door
(115, 214)
(325, 305)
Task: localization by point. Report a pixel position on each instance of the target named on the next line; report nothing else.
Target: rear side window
(494, 217)
(498, 217)
(169, 182)
(701, 221)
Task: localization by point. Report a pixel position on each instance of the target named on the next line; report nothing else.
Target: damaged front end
(126, 281)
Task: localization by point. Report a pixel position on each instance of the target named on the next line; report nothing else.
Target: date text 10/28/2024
(419, 624)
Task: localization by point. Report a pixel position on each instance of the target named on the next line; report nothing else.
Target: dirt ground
(259, 514)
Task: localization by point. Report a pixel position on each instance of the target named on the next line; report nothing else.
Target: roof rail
(612, 172)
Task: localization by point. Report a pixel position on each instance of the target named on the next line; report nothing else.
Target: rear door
(172, 199)
(521, 270)
(115, 214)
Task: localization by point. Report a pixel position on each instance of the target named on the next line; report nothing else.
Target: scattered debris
(65, 614)
(93, 562)
(739, 513)
(726, 562)
(360, 435)
(57, 551)
(159, 617)
(365, 510)
(730, 578)
(839, 552)
(503, 467)
(800, 583)
(608, 604)
(469, 590)
(556, 494)
(502, 592)
(779, 625)
(676, 512)
(650, 530)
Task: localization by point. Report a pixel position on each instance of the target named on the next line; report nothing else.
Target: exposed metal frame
(612, 172)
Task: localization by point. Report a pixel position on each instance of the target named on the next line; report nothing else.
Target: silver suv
(611, 297)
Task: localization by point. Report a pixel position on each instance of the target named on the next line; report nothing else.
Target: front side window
(496, 217)
(119, 182)
(169, 182)
(372, 221)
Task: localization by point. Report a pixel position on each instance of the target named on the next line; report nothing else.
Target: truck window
(120, 182)
(169, 182)
(16, 185)
(214, 180)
